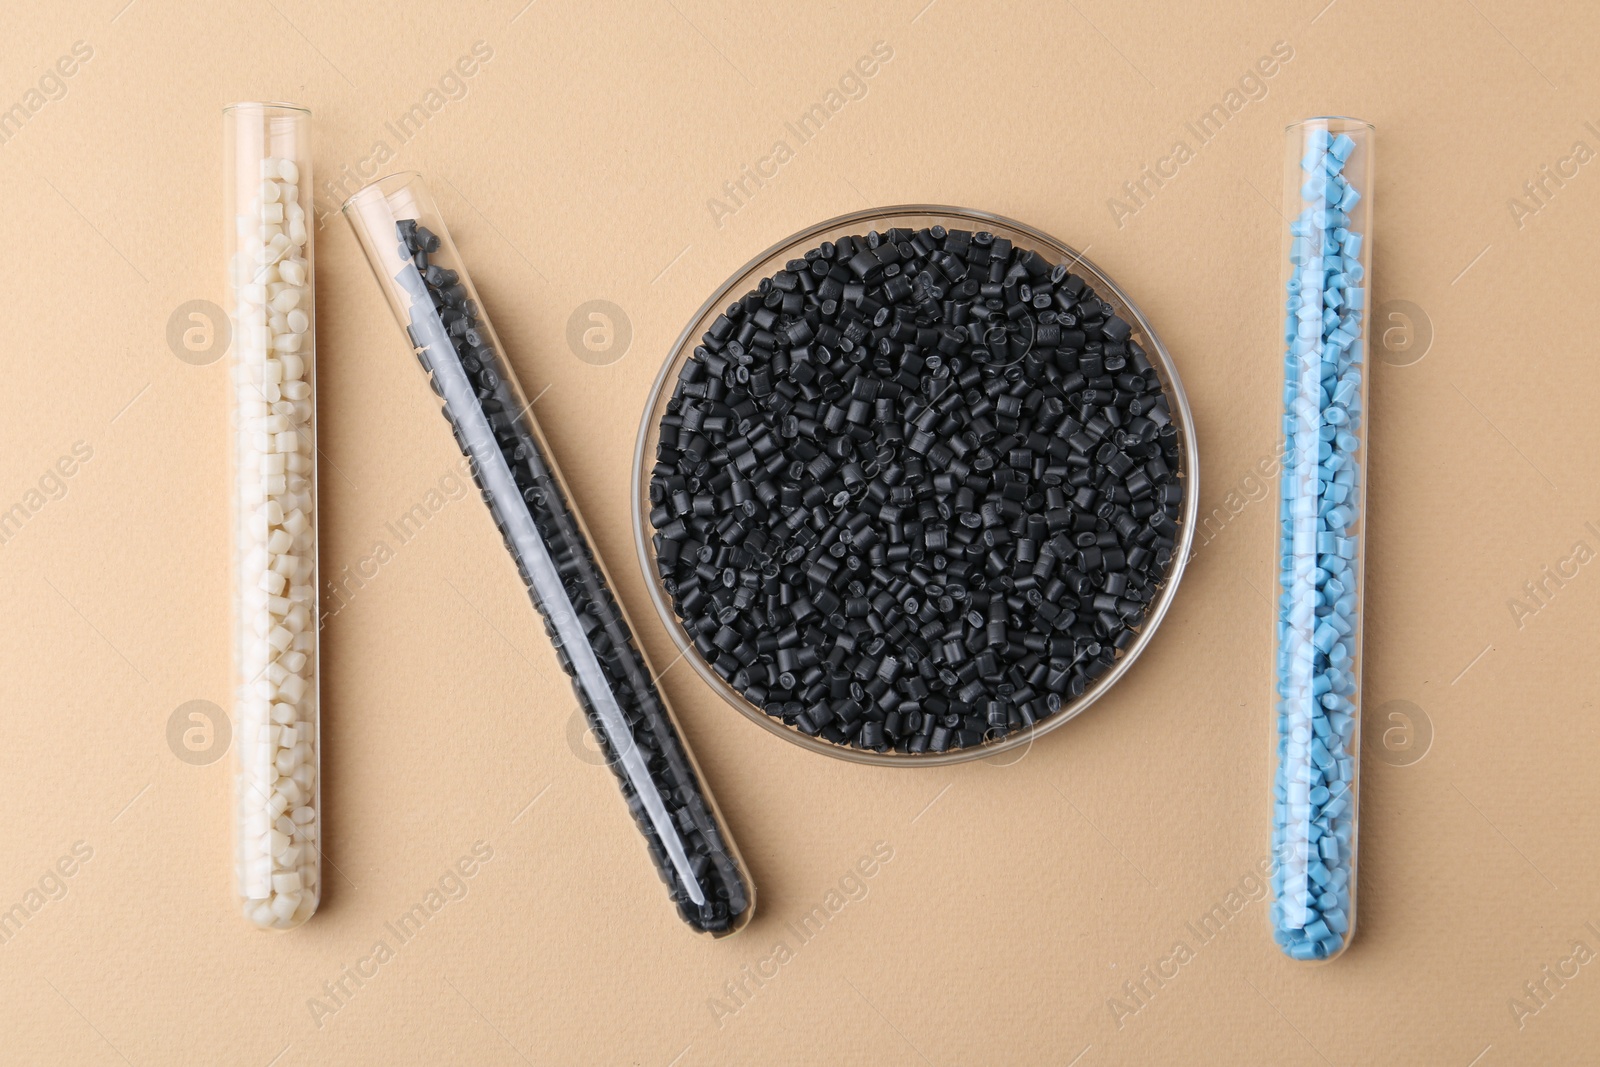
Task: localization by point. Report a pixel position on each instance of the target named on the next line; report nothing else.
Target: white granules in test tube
(276, 702)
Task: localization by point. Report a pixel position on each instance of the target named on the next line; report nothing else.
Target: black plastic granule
(916, 491)
(591, 636)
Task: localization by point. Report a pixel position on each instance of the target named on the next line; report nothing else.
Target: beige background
(577, 166)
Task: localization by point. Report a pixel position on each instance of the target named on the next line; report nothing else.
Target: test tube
(432, 296)
(267, 197)
(1322, 518)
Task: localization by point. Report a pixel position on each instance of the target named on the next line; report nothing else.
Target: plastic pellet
(410, 252)
(276, 702)
(1316, 697)
(965, 490)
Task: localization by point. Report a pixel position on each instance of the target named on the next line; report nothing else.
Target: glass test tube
(431, 294)
(267, 193)
(1322, 518)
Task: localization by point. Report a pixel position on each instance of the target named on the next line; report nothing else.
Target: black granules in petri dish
(916, 491)
(591, 636)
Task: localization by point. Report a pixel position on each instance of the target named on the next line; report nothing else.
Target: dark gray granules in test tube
(651, 763)
(916, 491)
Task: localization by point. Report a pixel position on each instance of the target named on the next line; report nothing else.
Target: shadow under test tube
(421, 273)
(1327, 199)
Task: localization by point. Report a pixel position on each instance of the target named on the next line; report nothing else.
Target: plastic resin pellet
(916, 491)
(276, 705)
(1317, 677)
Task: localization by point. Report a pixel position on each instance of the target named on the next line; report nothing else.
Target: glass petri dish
(914, 217)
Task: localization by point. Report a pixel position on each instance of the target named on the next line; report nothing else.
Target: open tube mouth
(1317, 119)
(266, 105)
(384, 186)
